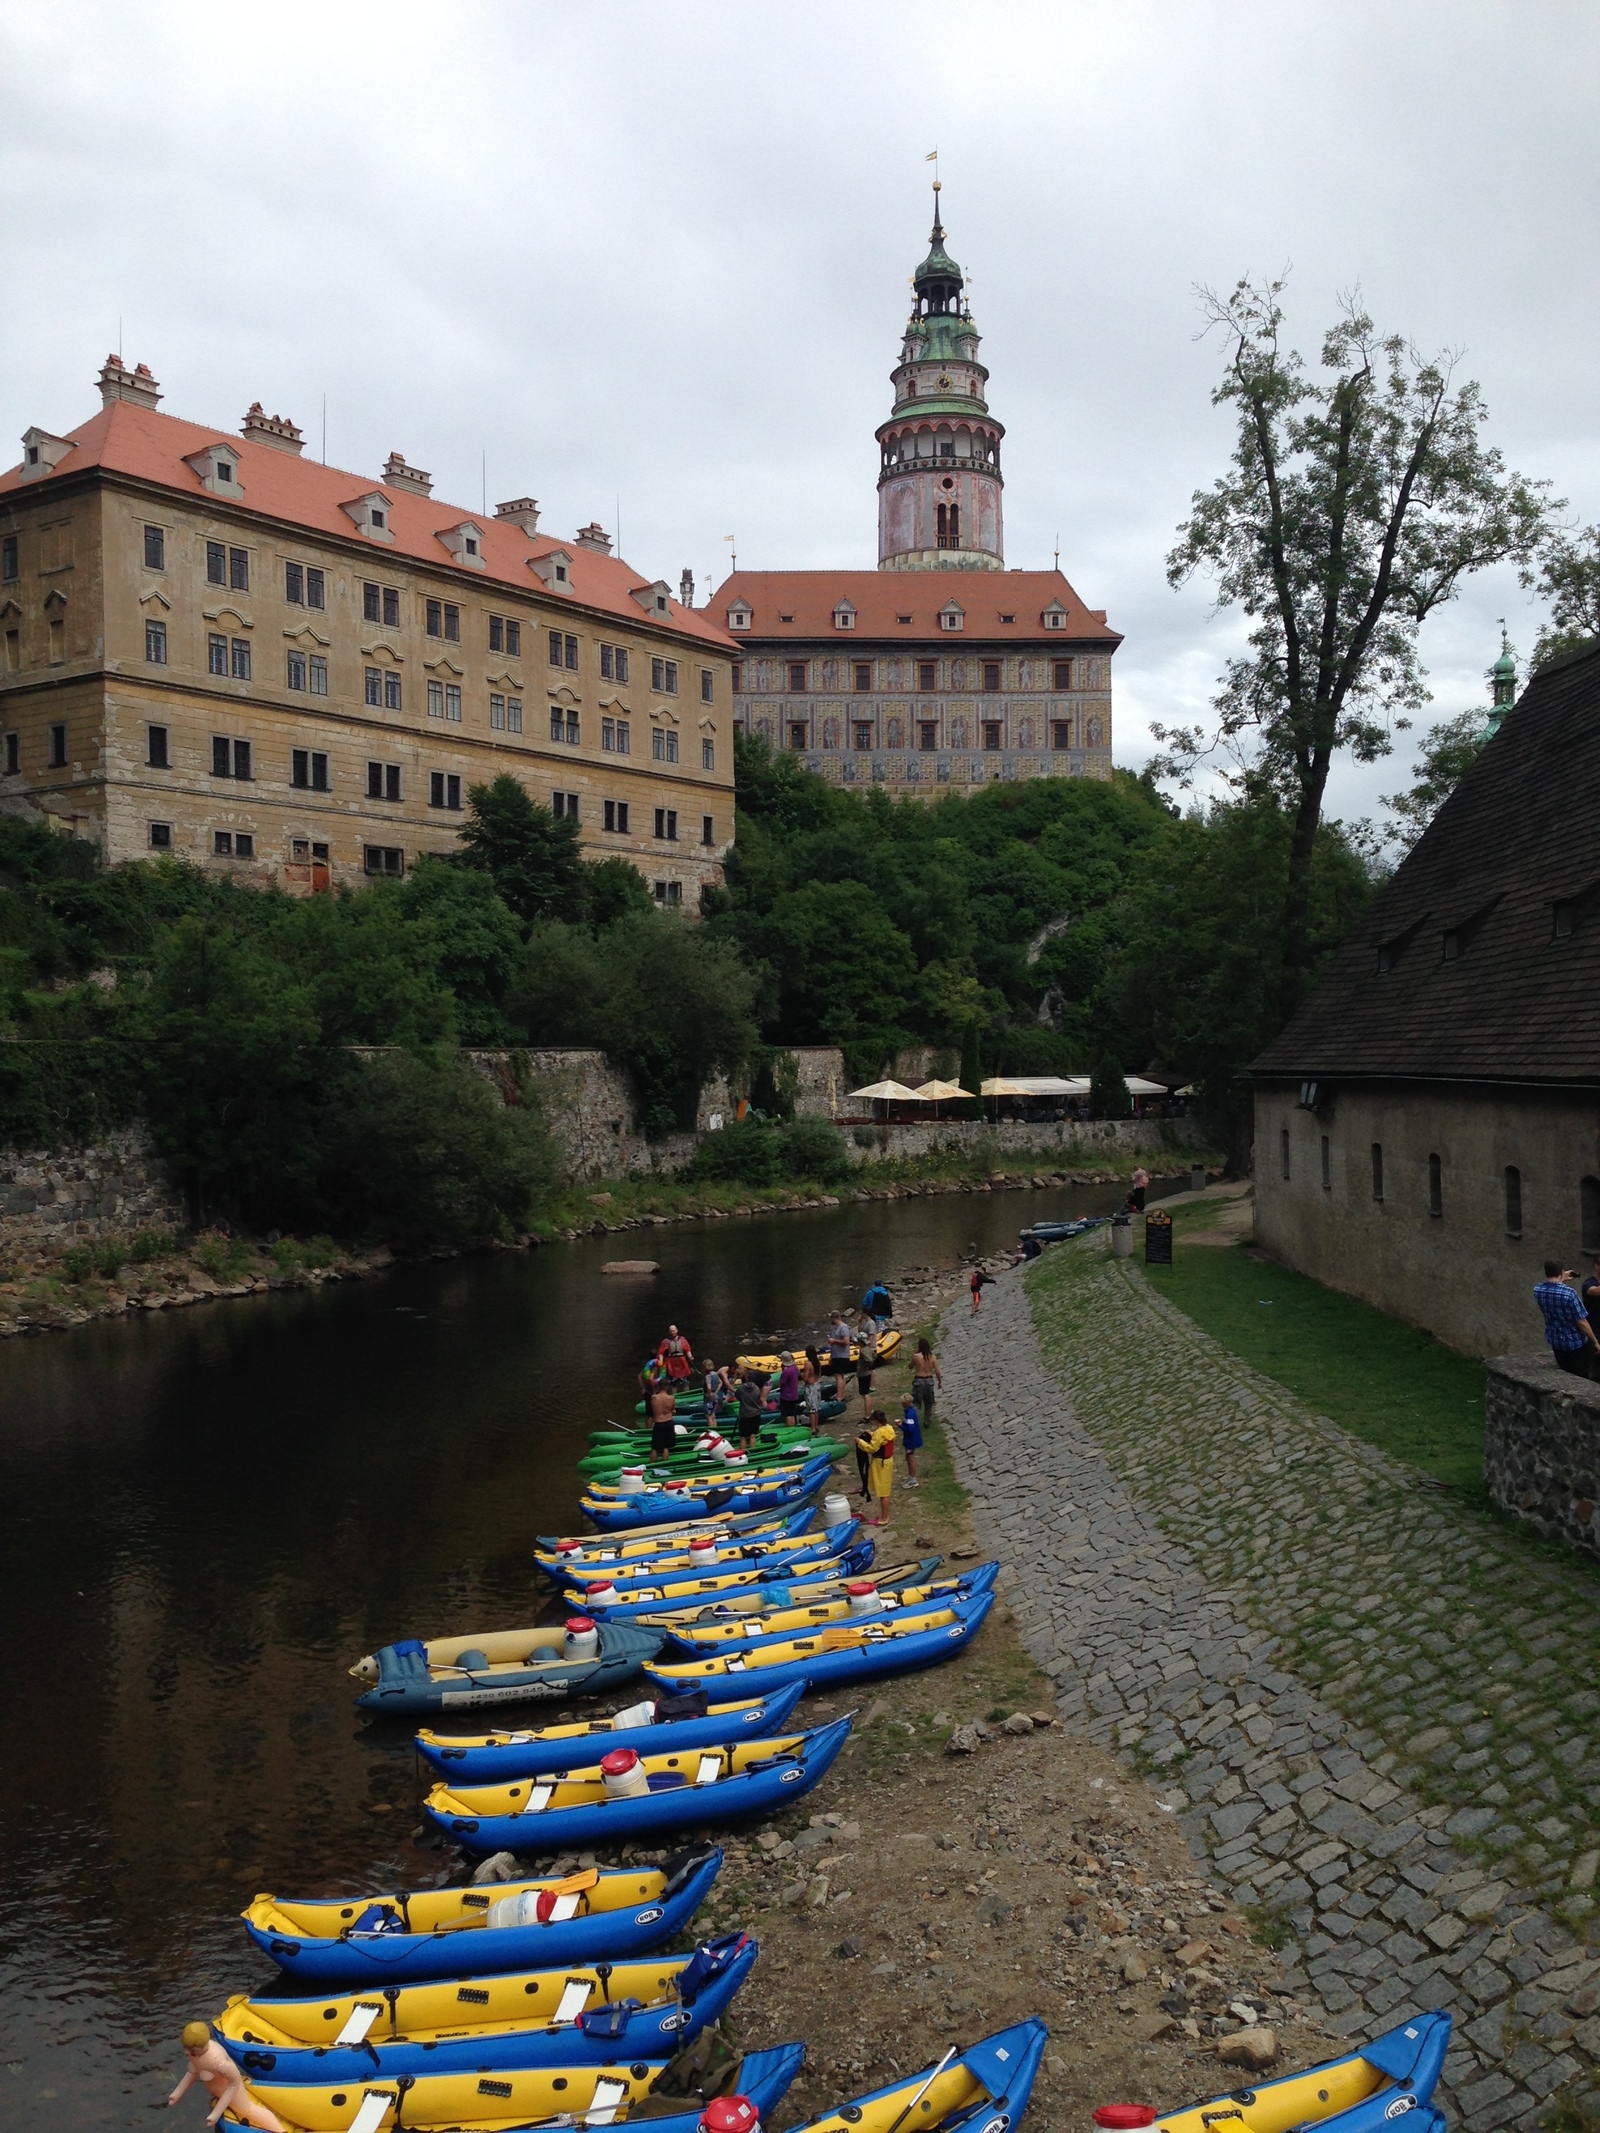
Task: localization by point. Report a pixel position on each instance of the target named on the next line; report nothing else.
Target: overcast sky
(655, 259)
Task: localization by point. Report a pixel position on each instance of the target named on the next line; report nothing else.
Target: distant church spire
(939, 480)
(1503, 674)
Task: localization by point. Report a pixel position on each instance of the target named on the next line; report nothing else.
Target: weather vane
(731, 540)
(933, 158)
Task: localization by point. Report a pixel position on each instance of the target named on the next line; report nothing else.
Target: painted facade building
(213, 647)
(941, 669)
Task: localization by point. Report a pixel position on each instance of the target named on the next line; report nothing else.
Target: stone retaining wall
(54, 1195)
(1107, 1143)
(1541, 1448)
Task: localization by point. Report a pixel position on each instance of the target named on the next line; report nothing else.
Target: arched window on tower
(944, 526)
(949, 525)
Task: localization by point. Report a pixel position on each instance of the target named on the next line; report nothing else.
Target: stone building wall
(53, 1196)
(1461, 1271)
(1541, 1448)
(1103, 1143)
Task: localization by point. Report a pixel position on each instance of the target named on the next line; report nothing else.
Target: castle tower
(939, 478)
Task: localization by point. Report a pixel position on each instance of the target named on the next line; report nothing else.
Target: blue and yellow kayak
(497, 1758)
(1387, 2084)
(801, 1615)
(559, 1555)
(782, 1489)
(846, 1652)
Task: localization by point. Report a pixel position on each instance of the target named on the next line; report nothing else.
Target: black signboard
(1157, 1238)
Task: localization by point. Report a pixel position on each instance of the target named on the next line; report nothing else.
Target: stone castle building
(214, 647)
(941, 669)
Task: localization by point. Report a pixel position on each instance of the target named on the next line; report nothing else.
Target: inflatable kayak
(754, 1558)
(558, 1554)
(368, 1941)
(598, 2095)
(1056, 1232)
(984, 2089)
(502, 1666)
(721, 1455)
(888, 1344)
(764, 2077)
(684, 1789)
(683, 1599)
(645, 2010)
(1389, 2082)
(747, 1477)
(681, 1504)
(850, 1652)
(496, 1758)
(858, 1600)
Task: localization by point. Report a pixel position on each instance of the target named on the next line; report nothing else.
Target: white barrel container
(604, 1594)
(570, 1551)
(623, 1775)
(836, 1511)
(581, 1639)
(631, 1477)
(703, 1551)
(863, 1597)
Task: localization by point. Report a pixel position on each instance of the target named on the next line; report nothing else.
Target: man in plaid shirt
(1566, 1326)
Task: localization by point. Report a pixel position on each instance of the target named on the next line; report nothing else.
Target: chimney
(594, 537)
(396, 472)
(136, 386)
(276, 430)
(522, 511)
(686, 587)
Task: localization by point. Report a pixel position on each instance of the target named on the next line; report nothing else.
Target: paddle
(928, 2084)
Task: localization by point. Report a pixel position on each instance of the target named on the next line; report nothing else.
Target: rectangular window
(391, 692)
(513, 714)
(1377, 1170)
(13, 754)
(297, 670)
(308, 768)
(513, 638)
(221, 756)
(216, 566)
(558, 723)
(991, 677)
(991, 734)
(607, 663)
(497, 713)
(1436, 1187)
(435, 618)
(318, 670)
(294, 584)
(863, 734)
(624, 737)
(383, 859)
(555, 648)
(608, 736)
(436, 699)
(161, 836)
(615, 816)
(797, 675)
(1061, 733)
(664, 745)
(239, 569)
(240, 662)
(708, 755)
(444, 789)
(928, 736)
(1513, 1201)
(216, 654)
(1283, 1150)
(664, 676)
(564, 806)
(497, 633)
(314, 587)
(667, 824)
(570, 652)
(375, 687)
(383, 781)
(863, 675)
(797, 736)
(669, 892)
(222, 843)
(708, 829)
(244, 846)
(927, 674)
(738, 676)
(391, 608)
(155, 549)
(157, 743)
(572, 729)
(1062, 669)
(707, 686)
(452, 623)
(241, 760)
(9, 565)
(452, 701)
(372, 603)
(58, 747)
(155, 643)
(1327, 1165)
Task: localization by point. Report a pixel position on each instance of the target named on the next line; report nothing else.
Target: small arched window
(1513, 1201)
(1589, 1212)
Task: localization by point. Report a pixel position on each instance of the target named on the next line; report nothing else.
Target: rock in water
(1254, 2048)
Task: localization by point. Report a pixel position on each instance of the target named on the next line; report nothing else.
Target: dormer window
(371, 515)
(844, 616)
(739, 618)
(224, 470)
(471, 545)
(1054, 616)
(951, 617)
(654, 599)
(554, 569)
(378, 519)
(217, 469)
(465, 543)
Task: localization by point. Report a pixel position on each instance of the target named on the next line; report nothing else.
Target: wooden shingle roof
(1509, 864)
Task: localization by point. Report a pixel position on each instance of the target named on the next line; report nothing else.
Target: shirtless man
(663, 1420)
(210, 2066)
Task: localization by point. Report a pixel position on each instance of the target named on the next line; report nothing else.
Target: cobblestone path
(1371, 1708)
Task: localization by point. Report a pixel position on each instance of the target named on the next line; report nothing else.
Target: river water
(209, 1514)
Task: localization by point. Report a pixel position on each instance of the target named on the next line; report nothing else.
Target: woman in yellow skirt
(876, 1441)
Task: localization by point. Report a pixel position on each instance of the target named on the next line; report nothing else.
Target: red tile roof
(881, 597)
(149, 446)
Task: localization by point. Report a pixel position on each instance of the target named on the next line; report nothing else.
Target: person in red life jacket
(676, 1353)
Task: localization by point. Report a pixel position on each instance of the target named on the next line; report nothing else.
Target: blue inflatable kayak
(560, 1555)
(645, 2010)
(541, 1924)
(984, 2089)
(497, 1758)
(797, 1616)
(836, 1656)
(750, 1559)
(672, 1598)
(500, 1666)
(684, 1789)
(1384, 2084)
(659, 1507)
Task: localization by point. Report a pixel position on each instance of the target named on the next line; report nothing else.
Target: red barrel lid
(729, 2114)
(579, 1625)
(618, 1763)
(569, 1547)
(1125, 2114)
(858, 1588)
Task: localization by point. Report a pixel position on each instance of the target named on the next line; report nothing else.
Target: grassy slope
(1375, 1376)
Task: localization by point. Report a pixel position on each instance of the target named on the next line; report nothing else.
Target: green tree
(1352, 508)
(1568, 576)
(533, 860)
(1108, 1094)
(466, 934)
(1448, 752)
(613, 889)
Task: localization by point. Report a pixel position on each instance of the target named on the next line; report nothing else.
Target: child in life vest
(210, 2066)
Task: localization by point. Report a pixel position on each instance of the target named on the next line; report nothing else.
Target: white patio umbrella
(938, 1092)
(890, 1092)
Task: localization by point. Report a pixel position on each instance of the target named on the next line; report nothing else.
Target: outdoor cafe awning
(890, 1092)
(938, 1092)
(1136, 1085)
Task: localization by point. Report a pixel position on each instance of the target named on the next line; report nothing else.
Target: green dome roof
(938, 266)
(1504, 668)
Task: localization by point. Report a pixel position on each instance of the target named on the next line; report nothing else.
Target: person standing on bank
(788, 1389)
(876, 1442)
(924, 1376)
(811, 1387)
(866, 1361)
(911, 1440)
(752, 1399)
(1141, 1185)
(1570, 1336)
(663, 1420)
(839, 1346)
